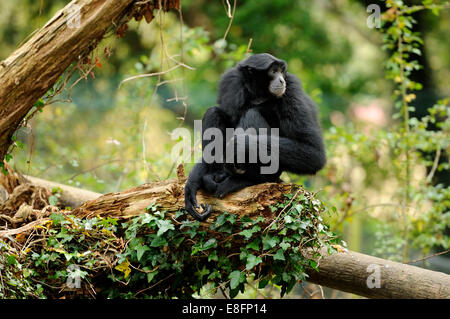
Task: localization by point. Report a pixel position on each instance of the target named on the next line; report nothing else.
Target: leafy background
(378, 174)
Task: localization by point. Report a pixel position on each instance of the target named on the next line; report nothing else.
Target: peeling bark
(169, 195)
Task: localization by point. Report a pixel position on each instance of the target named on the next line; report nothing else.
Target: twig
(435, 165)
(224, 293)
(92, 169)
(145, 289)
(282, 211)
(231, 20)
(249, 45)
(425, 258)
(149, 74)
(5, 233)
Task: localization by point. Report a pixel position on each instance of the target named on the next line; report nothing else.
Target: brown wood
(345, 271)
(70, 196)
(29, 72)
(169, 195)
(349, 271)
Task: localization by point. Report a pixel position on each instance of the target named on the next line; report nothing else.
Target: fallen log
(69, 196)
(374, 277)
(169, 195)
(348, 271)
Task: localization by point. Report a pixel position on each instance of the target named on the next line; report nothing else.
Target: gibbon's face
(277, 84)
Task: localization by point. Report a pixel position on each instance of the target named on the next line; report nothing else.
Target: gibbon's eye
(272, 72)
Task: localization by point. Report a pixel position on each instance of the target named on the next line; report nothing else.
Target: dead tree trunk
(29, 72)
(347, 271)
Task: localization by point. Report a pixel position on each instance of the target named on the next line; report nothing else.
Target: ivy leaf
(299, 208)
(202, 272)
(53, 200)
(140, 250)
(211, 243)
(151, 275)
(124, 267)
(213, 256)
(279, 255)
(253, 245)
(158, 242)
(236, 277)
(248, 233)
(57, 218)
(288, 219)
(252, 261)
(214, 274)
(313, 265)
(263, 283)
(270, 242)
(286, 277)
(177, 241)
(164, 225)
(179, 213)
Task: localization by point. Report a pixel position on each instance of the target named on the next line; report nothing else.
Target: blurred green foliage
(109, 138)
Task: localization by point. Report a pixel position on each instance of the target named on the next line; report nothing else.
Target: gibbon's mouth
(278, 91)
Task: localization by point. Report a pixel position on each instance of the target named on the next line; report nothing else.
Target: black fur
(245, 101)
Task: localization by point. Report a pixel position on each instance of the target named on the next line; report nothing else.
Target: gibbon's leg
(204, 175)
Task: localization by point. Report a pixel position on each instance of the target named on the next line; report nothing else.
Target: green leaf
(151, 275)
(288, 219)
(236, 277)
(313, 265)
(214, 275)
(299, 208)
(270, 242)
(286, 277)
(164, 225)
(158, 242)
(57, 218)
(252, 261)
(263, 283)
(211, 243)
(279, 255)
(213, 256)
(140, 250)
(202, 272)
(179, 213)
(253, 245)
(248, 233)
(53, 200)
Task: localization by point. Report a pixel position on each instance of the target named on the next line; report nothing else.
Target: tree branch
(346, 270)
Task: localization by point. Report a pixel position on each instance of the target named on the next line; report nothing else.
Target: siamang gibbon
(257, 93)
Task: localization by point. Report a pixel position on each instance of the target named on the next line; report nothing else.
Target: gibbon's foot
(206, 211)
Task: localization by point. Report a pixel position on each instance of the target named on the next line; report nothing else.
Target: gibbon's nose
(282, 81)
